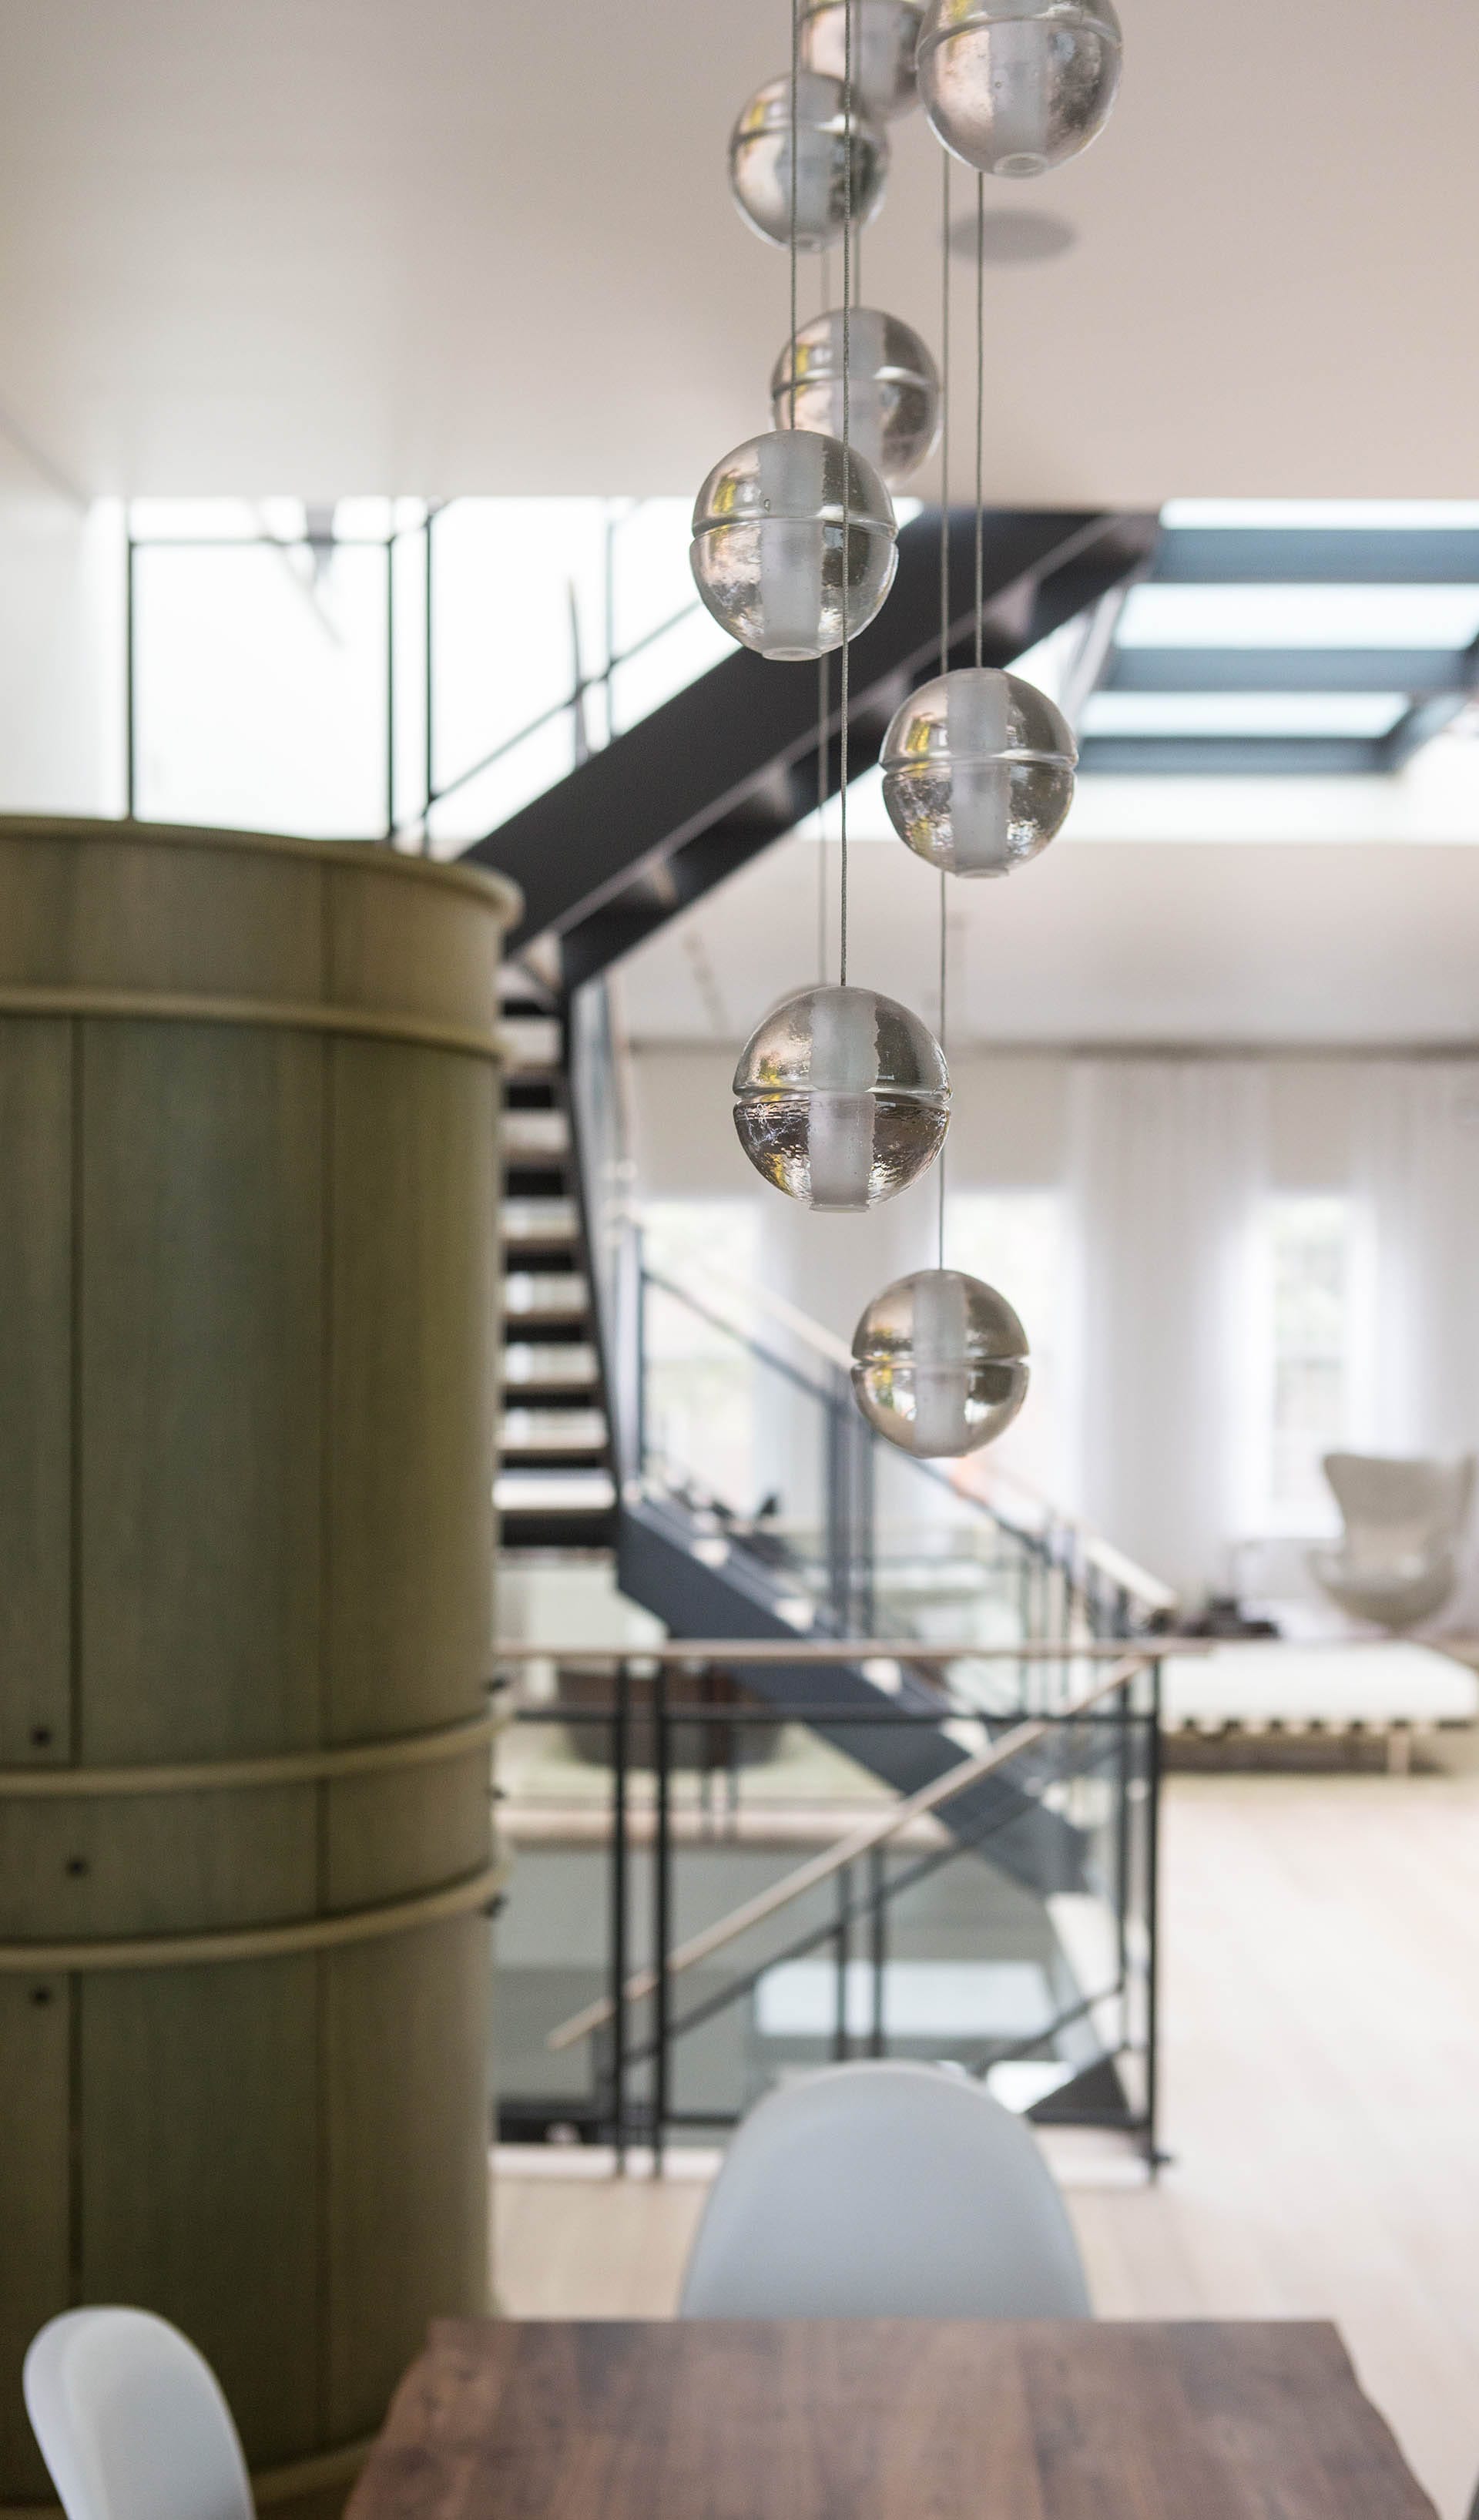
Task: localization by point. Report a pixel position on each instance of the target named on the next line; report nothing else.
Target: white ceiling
(1298, 942)
(442, 245)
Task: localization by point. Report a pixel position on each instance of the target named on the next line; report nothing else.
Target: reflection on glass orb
(978, 771)
(760, 162)
(767, 550)
(841, 1099)
(1016, 87)
(884, 34)
(940, 1364)
(893, 388)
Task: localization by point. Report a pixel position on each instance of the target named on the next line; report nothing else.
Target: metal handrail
(859, 1841)
(789, 1650)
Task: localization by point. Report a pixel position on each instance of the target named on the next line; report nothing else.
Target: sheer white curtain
(1167, 1172)
(1416, 1175)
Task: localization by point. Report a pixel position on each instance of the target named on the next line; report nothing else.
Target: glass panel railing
(760, 1440)
(399, 670)
(708, 1898)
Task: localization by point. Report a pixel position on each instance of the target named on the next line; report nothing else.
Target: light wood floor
(1322, 2072)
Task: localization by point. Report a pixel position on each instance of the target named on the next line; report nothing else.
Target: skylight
(1253, 713)
(1300, 617)
(1314, 514)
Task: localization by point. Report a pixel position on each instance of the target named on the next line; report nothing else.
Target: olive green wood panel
(411, 1408)
(408, 2118)
(278, 1287)
(110, 911)
(35, 1390)
(414, 947)
(34, 2204)
(389, 1835)
(202, 1336)
(114, 1866)
(199, 2174)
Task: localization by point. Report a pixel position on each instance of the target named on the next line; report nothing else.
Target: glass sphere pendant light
(978, 771)
(760, 162)
(940, 1364)
(1018, 86)
(793, 537)
(841, 1099)
(885, 38)
(893, 387)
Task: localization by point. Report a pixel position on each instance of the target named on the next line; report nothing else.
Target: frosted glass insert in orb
(940, 1364)
(760, 162)
(893, 388)
(841, 1099)
(770, 554)
(978, 771)
(884, 36)
(1018, 86)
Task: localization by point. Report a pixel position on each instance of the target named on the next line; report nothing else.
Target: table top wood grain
(884, 2419)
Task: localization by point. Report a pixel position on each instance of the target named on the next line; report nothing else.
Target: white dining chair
(884, 2191)
(132, 2422)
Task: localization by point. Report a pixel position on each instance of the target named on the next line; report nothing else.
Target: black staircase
(718, 773)
(633, 834)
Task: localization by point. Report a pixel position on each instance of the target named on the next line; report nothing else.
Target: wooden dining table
(884, 2419)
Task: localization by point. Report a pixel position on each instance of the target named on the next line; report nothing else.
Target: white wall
(61, 654)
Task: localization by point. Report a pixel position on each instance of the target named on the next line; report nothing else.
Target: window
(1015, 1240)
(1307, 1263)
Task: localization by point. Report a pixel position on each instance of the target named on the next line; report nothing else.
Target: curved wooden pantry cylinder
(249, 1096)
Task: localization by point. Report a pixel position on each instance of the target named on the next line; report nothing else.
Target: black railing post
(130, 671)
(428, 682)
(640, 1362)
(864, 1455)
(390, 686)
(578, 686)
(835, 1514)
(662, 1908)
(1124, 1733)
(842, 1960)
(622, 1750)
(878, 1895)
(609, 594)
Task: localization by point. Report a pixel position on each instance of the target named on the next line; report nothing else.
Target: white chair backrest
(1400, 1509)
(131, 2421)
(884, 2191)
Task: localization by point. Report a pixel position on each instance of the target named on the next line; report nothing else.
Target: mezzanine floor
(1322, 2103)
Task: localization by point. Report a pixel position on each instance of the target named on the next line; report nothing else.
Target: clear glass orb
(978, 771)
(884, 35)
(940, 1364)
(1016, 87)
(841, 1099)
(770, 556)
(893, 388)
(760, 162)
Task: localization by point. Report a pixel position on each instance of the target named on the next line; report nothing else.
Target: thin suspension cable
(944, 624)
(944, 411)
(943, 1011)
(980, 503)
(847, 246)
(824, 701)
(795, 82)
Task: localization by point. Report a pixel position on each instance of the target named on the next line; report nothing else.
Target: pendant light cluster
(842, 1096)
